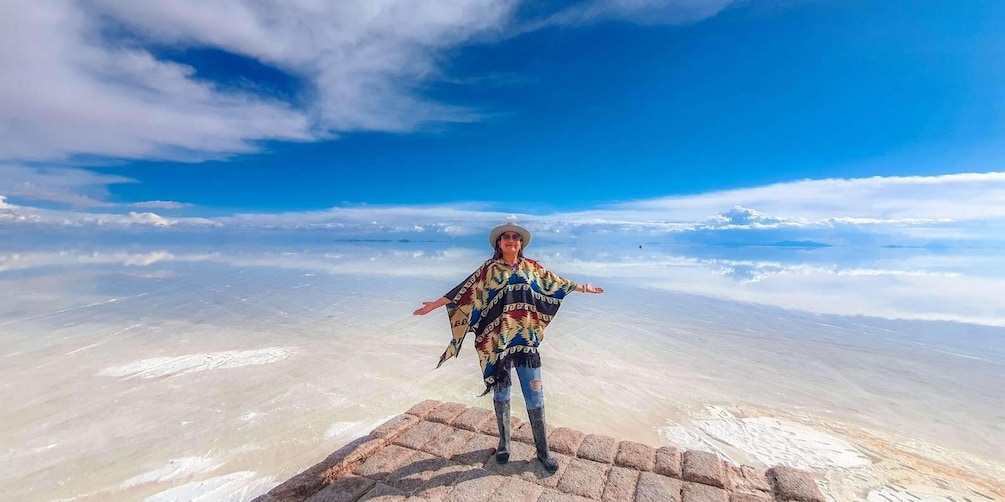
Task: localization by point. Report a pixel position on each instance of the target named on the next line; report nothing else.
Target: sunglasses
(511, 237)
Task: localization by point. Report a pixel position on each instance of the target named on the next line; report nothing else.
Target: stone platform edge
(451, 449)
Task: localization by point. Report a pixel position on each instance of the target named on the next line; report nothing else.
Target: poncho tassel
(516, 360)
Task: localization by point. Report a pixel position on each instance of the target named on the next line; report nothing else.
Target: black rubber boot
(502, 420)
(540, 431)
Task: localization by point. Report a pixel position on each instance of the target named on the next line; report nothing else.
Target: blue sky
(443, 116)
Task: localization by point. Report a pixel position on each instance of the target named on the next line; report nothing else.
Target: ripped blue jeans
(530, 385)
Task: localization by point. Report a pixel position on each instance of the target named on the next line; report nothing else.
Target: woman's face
(510, 242)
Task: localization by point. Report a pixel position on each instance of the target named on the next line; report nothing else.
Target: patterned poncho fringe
(507, 308)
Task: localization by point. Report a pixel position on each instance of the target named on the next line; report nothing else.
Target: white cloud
(79, 78)
(29, 260)
(906, 209)
(364, 59)
(159, 204)
(67, 90)
(965, 196)
(740, 216)
(25, 215)
(899, 292)
(71, 186)
(147, 219)
(474, 214)
(639, 11)
(913, 286)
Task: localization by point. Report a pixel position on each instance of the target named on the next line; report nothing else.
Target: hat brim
(509, 227)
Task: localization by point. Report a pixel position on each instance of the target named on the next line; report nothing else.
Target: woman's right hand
(426, 308)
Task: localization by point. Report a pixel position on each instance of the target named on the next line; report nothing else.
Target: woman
(507, 303)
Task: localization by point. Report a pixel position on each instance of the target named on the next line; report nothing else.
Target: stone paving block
(749, 497)
(636, 456)
(523, 463)
(314, 478)
(558, 496)
(475, 484)
(620, 486)
(598, 448)
(793, 484)
(477, 451)
(446, 413)
(525, 434)
(703, 467)
(448, 443)
(747, 479)
(299, 486)
(565, 440)
(384, 462)
(491, 427)
(472, 419)
(668, 461)
(411, 458)
(384, 493)
(520, 455)
(395, 426)
(345, 489)
(536, 473)
(441, 482)
(697, 492)
(419, 468)
(517, 490)
(421, 434)
(655, 488)
(422, 409)
(584, 478)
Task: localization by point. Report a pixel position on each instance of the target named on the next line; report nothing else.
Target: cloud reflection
(896, 283)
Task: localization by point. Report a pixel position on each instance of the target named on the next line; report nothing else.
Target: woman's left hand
(590, 288)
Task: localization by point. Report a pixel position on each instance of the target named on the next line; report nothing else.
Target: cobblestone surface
(444, 451)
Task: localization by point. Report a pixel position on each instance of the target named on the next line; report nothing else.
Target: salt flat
(168, 374)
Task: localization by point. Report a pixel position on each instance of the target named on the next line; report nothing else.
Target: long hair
(498, 253)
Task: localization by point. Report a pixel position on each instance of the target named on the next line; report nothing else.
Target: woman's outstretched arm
(428, 307)
(589, 288)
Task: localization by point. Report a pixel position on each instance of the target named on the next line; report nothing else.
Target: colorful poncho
(507, 308)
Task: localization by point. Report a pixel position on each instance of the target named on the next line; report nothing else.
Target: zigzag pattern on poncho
(507, 308)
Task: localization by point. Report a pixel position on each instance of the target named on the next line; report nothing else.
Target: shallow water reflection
(216, 371)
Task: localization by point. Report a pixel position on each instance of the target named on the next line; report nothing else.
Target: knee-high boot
(502, 419)
(540, 430)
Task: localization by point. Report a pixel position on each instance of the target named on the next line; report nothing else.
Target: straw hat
(509, 227)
